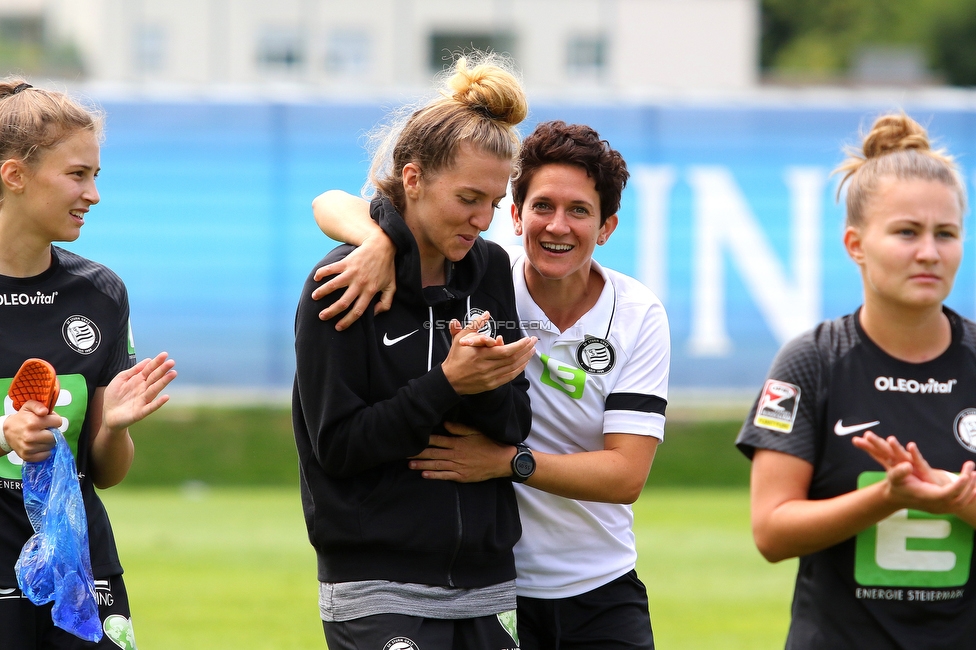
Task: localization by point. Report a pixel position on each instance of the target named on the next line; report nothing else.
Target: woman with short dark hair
(598, 380)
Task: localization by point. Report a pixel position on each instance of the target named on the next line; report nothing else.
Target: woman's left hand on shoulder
(364, 272)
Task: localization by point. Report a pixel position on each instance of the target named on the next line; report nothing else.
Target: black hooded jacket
(367, 398)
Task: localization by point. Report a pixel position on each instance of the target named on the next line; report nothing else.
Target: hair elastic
(487, 112)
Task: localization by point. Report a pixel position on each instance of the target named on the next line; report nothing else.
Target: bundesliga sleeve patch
(777, 406)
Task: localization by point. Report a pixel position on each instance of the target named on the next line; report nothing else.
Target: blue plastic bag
(55, 563)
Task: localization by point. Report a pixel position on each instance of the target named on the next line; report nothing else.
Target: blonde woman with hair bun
(863, 421)
(74, 314)
(404, 562)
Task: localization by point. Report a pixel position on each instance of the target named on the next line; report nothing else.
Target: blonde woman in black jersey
(862, 421)
(73, 313)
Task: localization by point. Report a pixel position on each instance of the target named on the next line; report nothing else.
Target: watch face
(524, 464)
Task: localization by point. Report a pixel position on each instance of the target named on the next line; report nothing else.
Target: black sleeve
(786, 417)
(109, 286)
(347, 433)
(123, 349)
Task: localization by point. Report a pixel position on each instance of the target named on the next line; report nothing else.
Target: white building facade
(378, 46)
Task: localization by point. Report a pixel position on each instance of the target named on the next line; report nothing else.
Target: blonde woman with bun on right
(863, 420)
(404, 562)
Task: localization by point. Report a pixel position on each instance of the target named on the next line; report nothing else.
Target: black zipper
(460, 533)
(445, 339)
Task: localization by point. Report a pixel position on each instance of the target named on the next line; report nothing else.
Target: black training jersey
(75, 315)
(903, 583)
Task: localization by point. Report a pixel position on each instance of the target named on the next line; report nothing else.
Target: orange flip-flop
(36, 380)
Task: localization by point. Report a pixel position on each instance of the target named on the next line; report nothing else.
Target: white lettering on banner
(723, 221)
(653, 185)
(892, 551)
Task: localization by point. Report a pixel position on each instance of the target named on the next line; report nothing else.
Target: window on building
(586, 56)
(347, 53)
(22, 29)
(281, 48)
(150, 48)
(890, 65)
(444, 45)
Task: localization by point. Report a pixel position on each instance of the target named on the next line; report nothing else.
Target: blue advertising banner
(730, 216)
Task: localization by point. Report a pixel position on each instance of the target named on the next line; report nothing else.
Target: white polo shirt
(606, 374)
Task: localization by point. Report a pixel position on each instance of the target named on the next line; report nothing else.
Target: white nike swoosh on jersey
(7, 592)
(388, 341)
(841, 430)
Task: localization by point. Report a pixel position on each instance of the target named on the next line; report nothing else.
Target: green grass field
(232, 568)
(255, 446)
(210, 531)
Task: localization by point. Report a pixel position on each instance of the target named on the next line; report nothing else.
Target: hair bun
(897, 147)
(487, 86)
(895, 133)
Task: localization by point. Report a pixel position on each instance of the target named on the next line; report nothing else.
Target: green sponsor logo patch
(131, 340)
(509, 621)
(568, 379)
(72, 405)
(119, 630)
(912, 548)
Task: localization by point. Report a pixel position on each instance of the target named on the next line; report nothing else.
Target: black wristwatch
(523, 464)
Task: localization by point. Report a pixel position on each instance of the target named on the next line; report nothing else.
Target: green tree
(27, 48)
(823, 37)
(954, 45)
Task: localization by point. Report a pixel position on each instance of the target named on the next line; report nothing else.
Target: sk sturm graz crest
(81, 334)
(964, 427)
(489, 329)
(596, 356)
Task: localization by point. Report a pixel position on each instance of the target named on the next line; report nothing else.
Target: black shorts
(613, 616)
(26, 626)
(401, 632)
